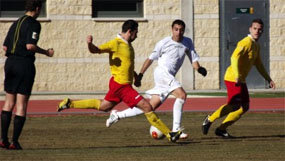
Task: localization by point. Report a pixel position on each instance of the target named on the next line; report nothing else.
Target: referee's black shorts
(19, 75)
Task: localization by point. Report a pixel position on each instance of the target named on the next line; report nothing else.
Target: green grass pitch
(260, 137)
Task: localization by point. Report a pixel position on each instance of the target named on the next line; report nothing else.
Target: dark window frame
(117, 9)
(16, 8)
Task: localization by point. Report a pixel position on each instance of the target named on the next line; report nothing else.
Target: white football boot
(182, 135)
(112, 119)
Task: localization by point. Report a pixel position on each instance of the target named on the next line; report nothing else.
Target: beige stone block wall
(162, 7)
(73, 68)
(206, 41)
(74, 7)
(277, 41)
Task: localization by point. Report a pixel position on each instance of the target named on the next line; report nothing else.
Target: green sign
(244, 10)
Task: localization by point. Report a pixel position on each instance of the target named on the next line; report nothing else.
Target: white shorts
(165, 83)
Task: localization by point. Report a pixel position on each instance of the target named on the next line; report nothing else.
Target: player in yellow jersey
(246, 54)
(121, 60)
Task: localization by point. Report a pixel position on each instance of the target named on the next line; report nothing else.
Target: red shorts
(122, 92)
(237, 94)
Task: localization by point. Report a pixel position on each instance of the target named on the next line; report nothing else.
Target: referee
(20, 46)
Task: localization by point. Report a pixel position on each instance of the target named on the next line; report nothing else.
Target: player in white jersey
(170, 53)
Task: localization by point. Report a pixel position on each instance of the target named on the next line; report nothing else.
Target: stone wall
(277, 42)
(206, 39)
(74, 69)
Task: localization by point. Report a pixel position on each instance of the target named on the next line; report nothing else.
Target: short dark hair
(129, 24)
(31, 5)
(257, 20)
(178, 22)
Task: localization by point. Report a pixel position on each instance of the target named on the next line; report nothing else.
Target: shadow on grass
(238, 138)
(206, 140)
(180, 143)
(258, 137)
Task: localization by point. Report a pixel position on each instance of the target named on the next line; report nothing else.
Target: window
(16, 8)
(117, 8)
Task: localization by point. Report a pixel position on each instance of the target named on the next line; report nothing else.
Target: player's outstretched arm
(260, 68)
(265, 75)
(92, 48)
(32, 47)
(146, 65)
(199, 68)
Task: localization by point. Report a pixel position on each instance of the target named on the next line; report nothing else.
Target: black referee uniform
(19, 66)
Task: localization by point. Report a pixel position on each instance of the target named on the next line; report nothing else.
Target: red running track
(48, 107)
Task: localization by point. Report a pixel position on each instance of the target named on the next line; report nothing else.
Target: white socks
(177, 113)
(129, 112)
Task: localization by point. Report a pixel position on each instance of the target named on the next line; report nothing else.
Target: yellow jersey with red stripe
(246, 54)
(121, 59)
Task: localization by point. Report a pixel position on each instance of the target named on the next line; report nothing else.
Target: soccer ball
(155, 133)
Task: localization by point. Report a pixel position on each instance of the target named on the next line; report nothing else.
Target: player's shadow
(238, 138)
(118, 147)
(211, 140)
(259, 137)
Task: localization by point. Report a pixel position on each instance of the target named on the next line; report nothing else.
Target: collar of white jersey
(119, 36)
(178, 42)
(251, 37)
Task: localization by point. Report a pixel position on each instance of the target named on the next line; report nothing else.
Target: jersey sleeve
(239, 50)
(108, 46)
(8, 38)
(156, 53)
(33, 33)
(191, 52)
(193, 56)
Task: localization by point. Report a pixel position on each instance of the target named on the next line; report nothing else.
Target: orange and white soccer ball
(155, 133)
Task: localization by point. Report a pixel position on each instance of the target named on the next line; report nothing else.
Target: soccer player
(121, 60)
(170, 53)
(246, 54)
(20, 46)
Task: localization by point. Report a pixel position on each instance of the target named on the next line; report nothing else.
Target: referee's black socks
(19, 122)
(5, 123)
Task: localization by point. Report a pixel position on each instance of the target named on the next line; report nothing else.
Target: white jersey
(170, 54)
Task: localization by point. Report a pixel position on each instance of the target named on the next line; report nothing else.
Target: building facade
(66, 24)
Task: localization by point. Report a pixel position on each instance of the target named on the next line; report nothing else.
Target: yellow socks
(89, 103)
(155, 121)
(234, 113)
(231, 118)
(222, 111)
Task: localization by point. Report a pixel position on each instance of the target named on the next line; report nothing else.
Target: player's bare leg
(155, 101)
(107, 106)
(115, 115)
